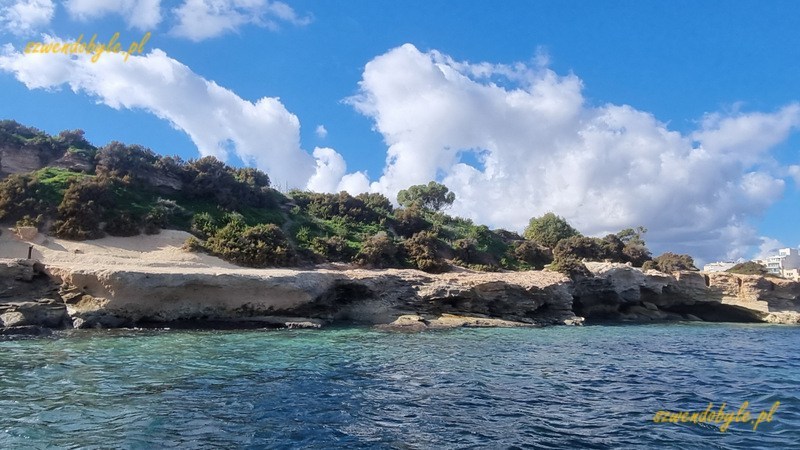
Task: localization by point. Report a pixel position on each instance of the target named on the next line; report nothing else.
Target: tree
(635, 250)
(433, 196)
(549, 229)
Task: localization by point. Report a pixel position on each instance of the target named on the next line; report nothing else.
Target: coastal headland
(150, 281)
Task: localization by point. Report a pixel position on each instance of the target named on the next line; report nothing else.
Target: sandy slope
(161, 252)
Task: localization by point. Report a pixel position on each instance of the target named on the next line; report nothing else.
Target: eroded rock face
(621, 293)
(113, 298)
(19, 161)
(397, 299)
(28, 298)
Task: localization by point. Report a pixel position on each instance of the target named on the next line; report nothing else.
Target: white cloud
(24, 16)
(140, 14)
(541, 148)
(204, 19)
(768, 247)
(261, 133)
(321, 131)
(330, 176)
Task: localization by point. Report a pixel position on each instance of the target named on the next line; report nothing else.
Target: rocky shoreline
(36, 297)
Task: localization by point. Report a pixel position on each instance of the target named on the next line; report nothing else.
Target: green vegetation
(85, 192)
(549, 229)
(748, 268)
(432, 196)
(670, 262)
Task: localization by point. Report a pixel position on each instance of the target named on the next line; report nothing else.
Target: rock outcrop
(621, 293)
(29, 299)
(113, 298)
(53, 297)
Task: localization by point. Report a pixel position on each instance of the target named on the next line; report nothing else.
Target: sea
(591, 387)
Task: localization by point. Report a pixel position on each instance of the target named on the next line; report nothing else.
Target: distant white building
(787, 259)
(792, 274)
(720, 266)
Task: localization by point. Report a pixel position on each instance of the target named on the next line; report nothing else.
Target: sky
(678, 116)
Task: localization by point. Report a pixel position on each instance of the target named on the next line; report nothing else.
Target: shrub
(156, 219)
(548, 229)
(258, 246)
(378, 251)
(22, 195)
(82, 209)
(333, 248)
(192, 244)
(422, 251)
(570, 267)
(28, 221)
(532, 254)
(748, 268)
(670, 262)
(579, 248)
(410, 221)
(123, 224)
(636, 254)
(204, 225)
(466, 250)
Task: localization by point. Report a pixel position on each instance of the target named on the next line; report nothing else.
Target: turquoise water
(560, 387)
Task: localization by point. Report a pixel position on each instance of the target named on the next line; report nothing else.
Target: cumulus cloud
(204, 19)
(140, 14)
(262, 133)
(768, 247)
(321, 131)
(330, 174)
(24, 16)
(516, 141)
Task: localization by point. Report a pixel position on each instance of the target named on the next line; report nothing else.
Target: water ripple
(590, 387)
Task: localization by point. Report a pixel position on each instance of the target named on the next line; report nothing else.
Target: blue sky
(679, 116)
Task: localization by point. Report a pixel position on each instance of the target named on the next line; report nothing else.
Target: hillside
(71, 189)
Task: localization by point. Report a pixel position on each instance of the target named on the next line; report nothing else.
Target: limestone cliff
(112, 298)
(621, 293)
(398, 299)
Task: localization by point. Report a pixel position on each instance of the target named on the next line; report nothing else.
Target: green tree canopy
(549, 229)
(432, 196)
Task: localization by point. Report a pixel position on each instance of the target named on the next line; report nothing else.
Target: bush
(82, 209)
(422, 251)
(410, 221)
(579, 248)
(748, 268)
(258, 246)
(123, 224)
(466, 250)
(636, 254)
(156, 219)
(570, 267)
(22, 195)
(549, 229)
(534, 255)
(670, 262)
(378, 251)
(204, 225)
(28, 221)
(333, 248)
(192, 244)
